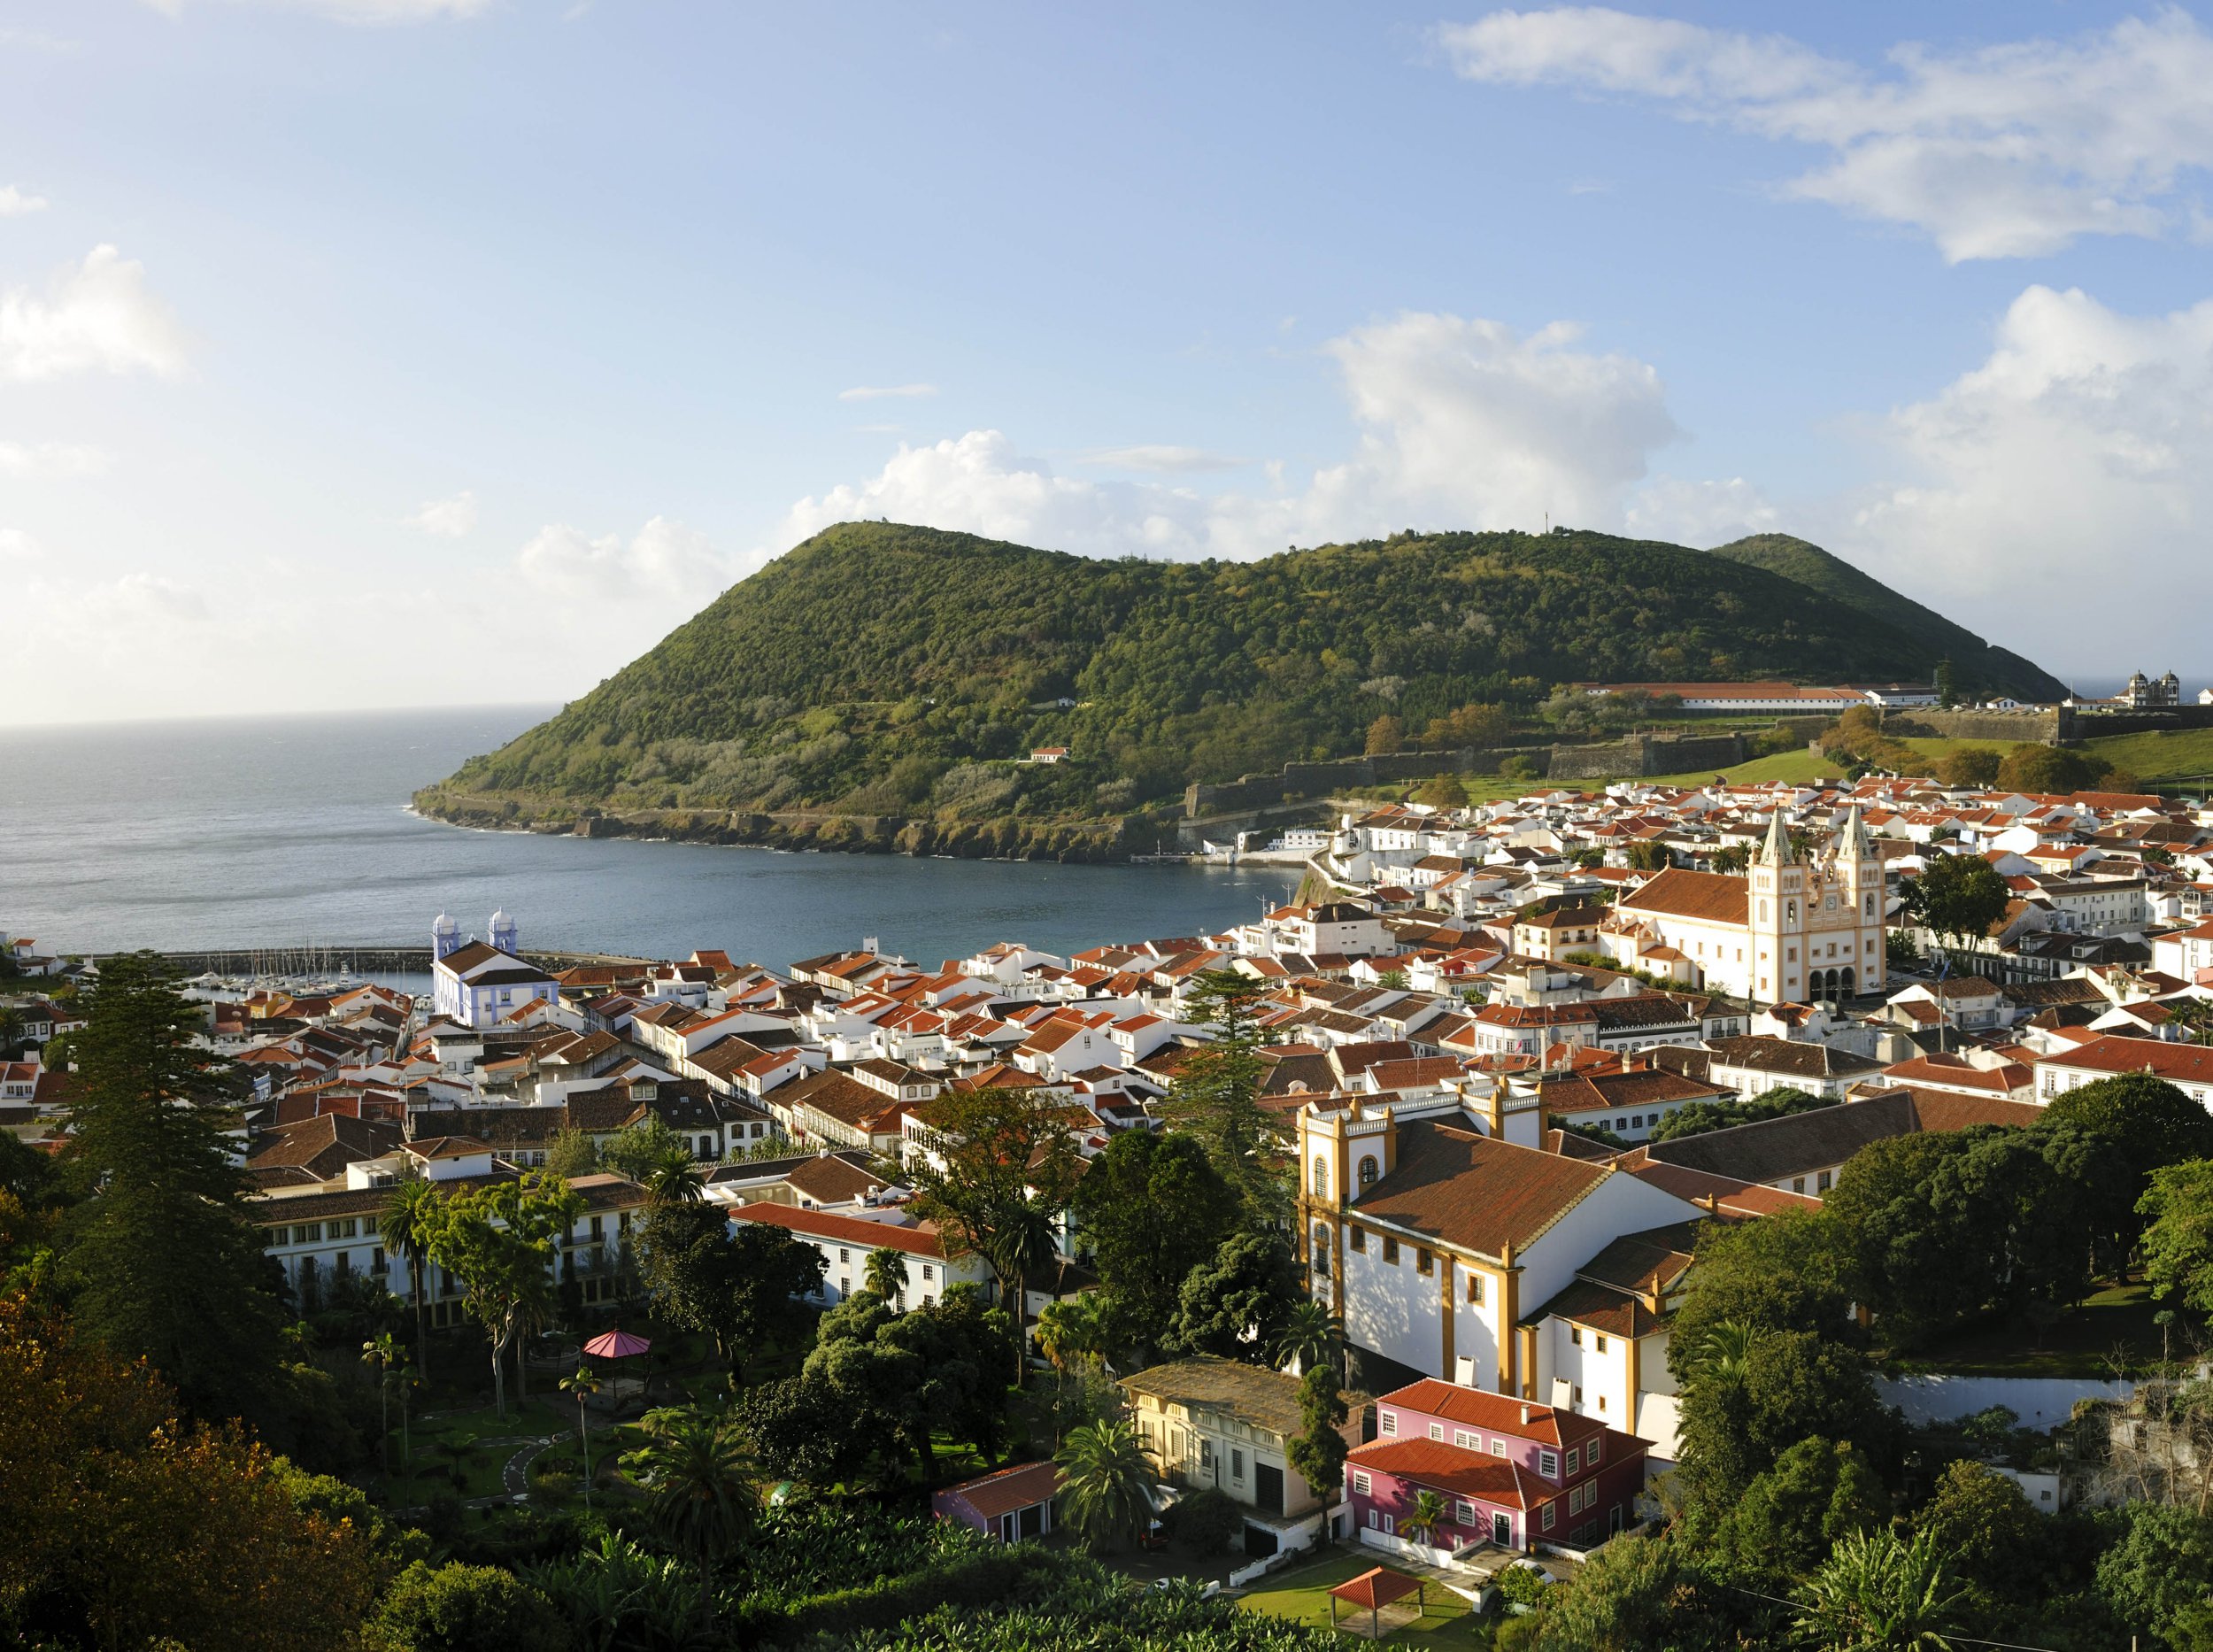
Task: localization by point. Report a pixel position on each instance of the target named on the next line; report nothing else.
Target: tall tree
(1238, 1305)
(413, 1212)
(1216, 1095)
(159, 1260)
(1006, 1171)
(741, 1288)
(1152, 1207)
(498, 1241)
(1318, 1450)
(1958, 897)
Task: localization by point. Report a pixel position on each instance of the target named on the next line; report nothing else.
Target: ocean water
(294, 831)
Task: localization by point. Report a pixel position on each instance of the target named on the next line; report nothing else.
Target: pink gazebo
(617, 1345)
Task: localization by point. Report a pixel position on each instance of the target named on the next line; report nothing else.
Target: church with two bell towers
(1796, 928)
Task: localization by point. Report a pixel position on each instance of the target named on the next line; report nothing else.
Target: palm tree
(675, 1180)
(413, 1212)
(884, 1273)
(1105, 1484)
(403, 1379)
(1420, 1522)
(1877, 1593)
(2194, 1017)
(700, 1487)
(1074, 1329)
(1310, 1336)
(1722, 1353)
(1017, 1247)
(14, 1030)
(583, 1385)
(382, 1351)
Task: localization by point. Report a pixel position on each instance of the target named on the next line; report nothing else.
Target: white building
(480, 985)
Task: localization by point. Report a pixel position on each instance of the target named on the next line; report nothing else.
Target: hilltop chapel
(1791, 931)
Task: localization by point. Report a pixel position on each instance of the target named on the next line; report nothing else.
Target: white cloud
(356, 11)
(2065, 484)
(97, 316)
(1699, 513)
(446, 519)
(878, 393)
(52, 459)
(663, 562)
(144, 597)
(1162, 458)
(15, 204)
(1464, 424)
(15, 543)
(1994, 152)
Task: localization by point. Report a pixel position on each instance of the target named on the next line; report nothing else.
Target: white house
(481, 983)
(844, 1242)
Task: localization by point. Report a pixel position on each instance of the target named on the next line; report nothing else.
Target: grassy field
(2183, 755)
(1302, 1594)
(2116, 1323)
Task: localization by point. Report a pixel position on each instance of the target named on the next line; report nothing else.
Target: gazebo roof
(615, 1344)
(1375, 1589)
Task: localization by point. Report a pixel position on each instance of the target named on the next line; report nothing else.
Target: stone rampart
(2055, 727)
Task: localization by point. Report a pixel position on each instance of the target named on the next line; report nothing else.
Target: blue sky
(363, 353)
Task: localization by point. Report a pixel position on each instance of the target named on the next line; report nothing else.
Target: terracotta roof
(917, 1241)
(1792, 1056)
(1493, 1413)
(1024, 1484)
(1714, 897)
(2183, 1064)
(1376, 1588)
(1473, 1192)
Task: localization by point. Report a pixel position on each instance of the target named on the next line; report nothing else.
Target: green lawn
(2171, 759)
(2117, 1319)
(1302, 1594)
(481, 1466)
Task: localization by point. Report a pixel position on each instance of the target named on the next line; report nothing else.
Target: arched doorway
(1847, 986)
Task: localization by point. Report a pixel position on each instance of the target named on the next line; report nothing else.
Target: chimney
(1525, 1413)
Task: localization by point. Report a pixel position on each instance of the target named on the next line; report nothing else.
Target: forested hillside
(884, 669)
(1976, 660)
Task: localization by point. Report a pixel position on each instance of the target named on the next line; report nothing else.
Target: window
(1391, 1250)
(1464, 1512)
(1821, 1183)
(1466, 1441)
(1368, 1169)
(1360, 1482)
(1574, 1460)
(1548, 1464)
(1590, 1451)
(1387, 1424)
(930, 1272)
(1498, 1445)
(1578, 1394)
(1359, 1239)
(1575, 1335)
(1423, 1262)
(1475, 1287)
(1237, 1463)
(1320, 1177)
(1601, 1413)
(844, 1255)
(1797, 1184)
(1601, 1342)
(1206, 1452)
(1437, 1431)
(1546, 1518)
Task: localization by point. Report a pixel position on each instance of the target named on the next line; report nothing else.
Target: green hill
(898, 672)
(1977, 663)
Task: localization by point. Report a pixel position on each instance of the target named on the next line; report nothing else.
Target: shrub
(1203, 1522)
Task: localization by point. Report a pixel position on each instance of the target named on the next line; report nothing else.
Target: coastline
(1097, 842)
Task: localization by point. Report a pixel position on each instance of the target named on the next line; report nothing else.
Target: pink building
(1510, 1472)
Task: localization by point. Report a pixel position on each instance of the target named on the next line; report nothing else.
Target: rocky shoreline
(1081, 842)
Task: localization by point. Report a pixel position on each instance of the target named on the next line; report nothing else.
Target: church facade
(1793, 929)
